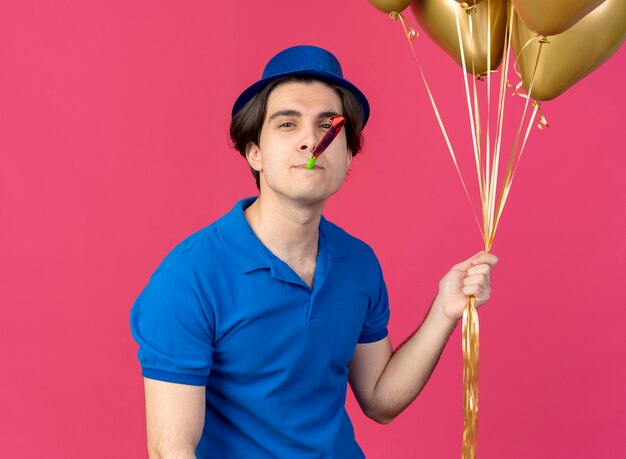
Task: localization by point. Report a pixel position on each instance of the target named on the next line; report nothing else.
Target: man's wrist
(439, 318)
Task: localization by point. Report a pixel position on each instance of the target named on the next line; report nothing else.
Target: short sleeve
(174, 333)
(377, 318)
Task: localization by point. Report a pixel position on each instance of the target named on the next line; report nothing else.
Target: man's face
(296, 119)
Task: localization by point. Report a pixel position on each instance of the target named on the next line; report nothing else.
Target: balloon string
(487, 167)
(513, 164)
(469, 332)
(488, 137)
(470, 340)
(474, 116)
(542, 39)
(409, 36)
(543, 121)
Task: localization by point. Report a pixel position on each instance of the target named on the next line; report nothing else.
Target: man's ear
(254, 157)
(349, 160)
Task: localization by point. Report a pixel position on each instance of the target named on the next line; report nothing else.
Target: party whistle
(336, 123)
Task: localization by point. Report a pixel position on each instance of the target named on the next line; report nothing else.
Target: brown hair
(246, 124)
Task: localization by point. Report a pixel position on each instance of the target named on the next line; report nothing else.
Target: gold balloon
(551, 17)
(437, 18)
(571, 55)
(468, 2)
(387, 6)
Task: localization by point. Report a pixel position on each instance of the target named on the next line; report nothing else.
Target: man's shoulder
(205, 247)
(200, 249)
(346, 242)
(194, 250)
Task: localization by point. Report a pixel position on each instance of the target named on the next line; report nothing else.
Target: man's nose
(309, 140)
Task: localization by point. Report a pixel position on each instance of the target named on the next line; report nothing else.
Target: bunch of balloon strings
(487, 158)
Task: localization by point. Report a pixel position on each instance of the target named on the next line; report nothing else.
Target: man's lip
(303, 166)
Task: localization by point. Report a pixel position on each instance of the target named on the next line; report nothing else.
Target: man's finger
(479, 269)
(467, 264)
(477, 291)
(481, 257)
(479, 279)
(485, 258)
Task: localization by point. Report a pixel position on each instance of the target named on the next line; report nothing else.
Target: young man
(250, 329)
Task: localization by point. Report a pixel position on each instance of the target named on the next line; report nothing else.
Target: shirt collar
(334, 237)
(246, 250)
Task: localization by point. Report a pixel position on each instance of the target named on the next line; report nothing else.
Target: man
(251, 328)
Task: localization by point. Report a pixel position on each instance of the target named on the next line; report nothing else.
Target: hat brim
(249, 93)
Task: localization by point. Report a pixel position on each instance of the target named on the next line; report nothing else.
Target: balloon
(551, 17)
(387, 6)
(571, 55)
(438, 20)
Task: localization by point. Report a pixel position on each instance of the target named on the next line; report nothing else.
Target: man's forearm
(411, 365)
(174, 419)
(173, 453)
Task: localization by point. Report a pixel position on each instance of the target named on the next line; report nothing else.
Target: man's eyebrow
(327, 114)
(284, 113)
(297, 114)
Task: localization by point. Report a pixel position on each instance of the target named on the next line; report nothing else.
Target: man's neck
(287, 229)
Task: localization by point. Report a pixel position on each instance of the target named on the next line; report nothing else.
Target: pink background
(113, 140)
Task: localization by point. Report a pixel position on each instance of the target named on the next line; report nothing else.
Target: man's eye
(326, 126)
(286, 124)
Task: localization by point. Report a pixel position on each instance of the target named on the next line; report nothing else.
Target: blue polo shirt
(222, 311)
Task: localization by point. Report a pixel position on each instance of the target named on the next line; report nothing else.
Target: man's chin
(310, 200)
(307, 196)
(317, 195)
